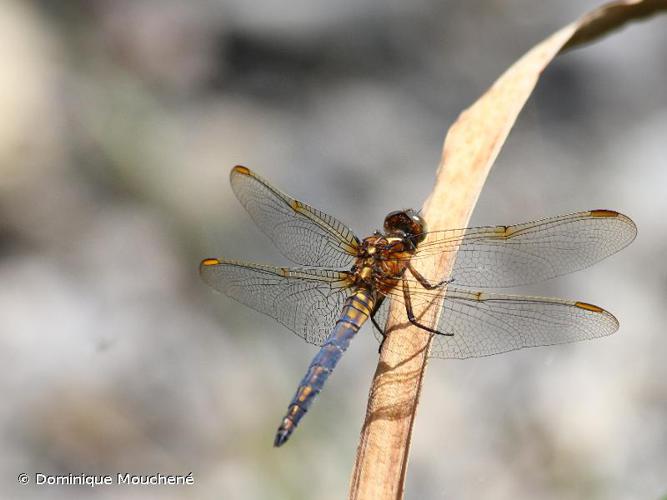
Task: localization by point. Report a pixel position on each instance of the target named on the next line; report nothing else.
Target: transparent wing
(307, 301)
(483, 324)
(507, 256)
(302, 234)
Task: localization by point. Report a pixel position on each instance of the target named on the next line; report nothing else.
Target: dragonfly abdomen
(355, 312)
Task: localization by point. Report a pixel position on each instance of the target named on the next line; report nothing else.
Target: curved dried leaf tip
(471, 146)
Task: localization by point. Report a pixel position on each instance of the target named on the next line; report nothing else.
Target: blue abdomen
(355, 312)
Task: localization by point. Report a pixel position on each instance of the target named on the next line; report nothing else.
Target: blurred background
(120, 121)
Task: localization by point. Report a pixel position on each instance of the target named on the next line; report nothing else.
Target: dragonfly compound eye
(406, 223)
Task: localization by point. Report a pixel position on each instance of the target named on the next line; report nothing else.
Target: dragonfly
(343, 280)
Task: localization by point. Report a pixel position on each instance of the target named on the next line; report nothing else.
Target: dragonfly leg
(426, 283)
(411, 314)
(381, 330)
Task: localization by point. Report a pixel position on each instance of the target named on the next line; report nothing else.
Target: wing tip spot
(240, 169)
(604, 213)
(589, 307)
(210, 262)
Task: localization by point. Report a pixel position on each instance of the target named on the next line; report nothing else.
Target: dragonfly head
(406, 223)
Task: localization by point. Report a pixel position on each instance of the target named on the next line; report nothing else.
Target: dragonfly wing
(507, 256)
(303, 234)
(307, 301)
(483, 324)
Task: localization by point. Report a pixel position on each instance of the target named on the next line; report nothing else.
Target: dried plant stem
(471, 146)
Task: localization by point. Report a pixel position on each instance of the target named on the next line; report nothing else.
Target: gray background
(119, 122)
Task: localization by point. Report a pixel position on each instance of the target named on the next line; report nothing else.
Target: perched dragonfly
(348, 280)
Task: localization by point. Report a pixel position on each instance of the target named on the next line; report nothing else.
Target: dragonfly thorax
(381, 262)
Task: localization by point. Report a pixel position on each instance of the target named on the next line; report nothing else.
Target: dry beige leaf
(471, 146)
